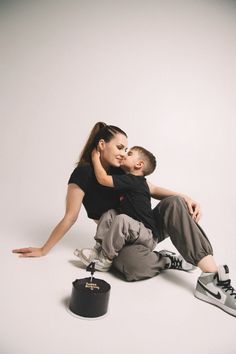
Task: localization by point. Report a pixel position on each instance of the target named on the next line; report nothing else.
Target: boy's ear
(140, 164)
(101, 145)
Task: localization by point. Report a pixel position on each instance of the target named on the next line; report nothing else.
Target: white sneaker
(96, 249)
(88, 255)
(102, 263)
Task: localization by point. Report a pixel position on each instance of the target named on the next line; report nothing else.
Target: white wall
(164, 71)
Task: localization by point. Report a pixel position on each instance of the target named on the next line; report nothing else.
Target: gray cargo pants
(173, 220)
(115, 230)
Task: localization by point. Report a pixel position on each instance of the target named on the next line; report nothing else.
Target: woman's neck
(105, 164)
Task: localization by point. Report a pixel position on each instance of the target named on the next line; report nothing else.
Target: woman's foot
(216, 289)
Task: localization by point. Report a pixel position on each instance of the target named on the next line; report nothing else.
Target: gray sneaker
(176, 261)
(88, 255)
(215, 288)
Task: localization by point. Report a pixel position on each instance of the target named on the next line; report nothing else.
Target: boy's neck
(137, 173)
(134, 172)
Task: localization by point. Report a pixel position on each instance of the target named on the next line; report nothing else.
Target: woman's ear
(101, 145)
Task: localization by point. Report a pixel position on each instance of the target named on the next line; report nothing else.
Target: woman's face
(113, 152)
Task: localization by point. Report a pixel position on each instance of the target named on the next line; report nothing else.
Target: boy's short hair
(149, 159)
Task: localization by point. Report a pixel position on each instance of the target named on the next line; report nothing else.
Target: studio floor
(159, 315)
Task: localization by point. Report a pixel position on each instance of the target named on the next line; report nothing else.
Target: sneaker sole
(211, 301)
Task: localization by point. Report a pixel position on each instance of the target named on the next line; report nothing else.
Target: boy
(133, 220)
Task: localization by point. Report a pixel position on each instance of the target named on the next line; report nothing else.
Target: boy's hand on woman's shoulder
(95, 154)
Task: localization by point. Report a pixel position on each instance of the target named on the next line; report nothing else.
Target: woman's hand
(29, 252)
(193, 207)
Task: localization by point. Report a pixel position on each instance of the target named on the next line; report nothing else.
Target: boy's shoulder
(130, 178)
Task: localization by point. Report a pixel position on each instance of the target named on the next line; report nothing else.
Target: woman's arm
(161, 193)
(73, 204)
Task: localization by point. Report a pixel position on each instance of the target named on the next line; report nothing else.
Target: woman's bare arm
(160, 193)
(74, 200)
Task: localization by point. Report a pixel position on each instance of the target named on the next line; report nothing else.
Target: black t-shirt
(135, 199)
(97, 199)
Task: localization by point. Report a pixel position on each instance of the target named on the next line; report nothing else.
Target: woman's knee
(174, 200)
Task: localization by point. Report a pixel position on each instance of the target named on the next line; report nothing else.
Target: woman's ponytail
(86, 152)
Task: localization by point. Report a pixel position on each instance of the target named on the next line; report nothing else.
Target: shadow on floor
(65, 302)
(77, 264)
(176, 278)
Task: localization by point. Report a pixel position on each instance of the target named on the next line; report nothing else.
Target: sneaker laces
(176, 263)
(225, 285)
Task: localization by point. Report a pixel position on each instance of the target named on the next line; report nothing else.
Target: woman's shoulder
(81, 173)
(85, 167)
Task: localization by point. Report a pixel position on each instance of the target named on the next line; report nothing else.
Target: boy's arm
(100, 173)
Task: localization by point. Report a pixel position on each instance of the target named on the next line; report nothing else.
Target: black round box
(89, 298)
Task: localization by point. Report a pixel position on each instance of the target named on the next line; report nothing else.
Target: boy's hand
(95, 154)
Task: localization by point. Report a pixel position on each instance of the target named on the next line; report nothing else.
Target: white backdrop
(163, 71)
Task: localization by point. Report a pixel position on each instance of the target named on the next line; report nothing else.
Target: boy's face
(131, 161)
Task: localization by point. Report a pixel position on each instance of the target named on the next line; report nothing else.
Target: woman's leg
(207, 264)
(173, 220)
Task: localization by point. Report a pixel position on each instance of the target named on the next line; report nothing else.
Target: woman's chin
(117, 163)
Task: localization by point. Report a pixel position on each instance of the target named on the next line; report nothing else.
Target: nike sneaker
(175, 261)
(216, 289)
(102, 263)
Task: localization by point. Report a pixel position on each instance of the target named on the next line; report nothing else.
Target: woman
(176, 215)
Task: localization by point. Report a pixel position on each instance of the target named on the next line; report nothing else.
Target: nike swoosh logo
(216, 295)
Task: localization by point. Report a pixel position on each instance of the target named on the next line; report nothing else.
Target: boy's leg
(87, 255)
(123, 230)
(113, 232)
(136, 262)
(104, 225)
